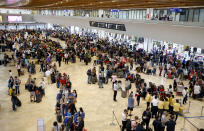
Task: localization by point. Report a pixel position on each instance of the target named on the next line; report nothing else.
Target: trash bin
(123, 93)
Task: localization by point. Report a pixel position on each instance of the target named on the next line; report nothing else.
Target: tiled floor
(97, 103)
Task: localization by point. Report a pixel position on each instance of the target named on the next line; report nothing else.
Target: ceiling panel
(99, 4)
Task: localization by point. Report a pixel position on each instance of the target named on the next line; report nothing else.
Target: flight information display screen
(113, 26)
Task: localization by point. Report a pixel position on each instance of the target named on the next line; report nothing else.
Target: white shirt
(47, 73)
(42, 84)
(196, 89)
(184, 92)
(155, 102)
(115, 87)
(124, 118)
(66, 55)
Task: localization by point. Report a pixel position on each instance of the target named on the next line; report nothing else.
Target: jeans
(58, 84)
(17, 89)
(89, 79)
(66, 60)
(185, 99)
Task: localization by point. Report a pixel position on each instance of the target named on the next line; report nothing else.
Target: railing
(190, 123)
(179, 23)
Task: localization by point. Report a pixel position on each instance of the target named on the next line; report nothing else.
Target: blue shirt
(131, 102)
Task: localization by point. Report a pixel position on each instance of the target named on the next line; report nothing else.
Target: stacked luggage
(93, 79)
(120, 73)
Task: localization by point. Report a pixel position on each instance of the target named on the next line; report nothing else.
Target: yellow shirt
(148, 98)
(176, 107)
(94, 57)
(166, 105)
(171, 101)
(160, 105)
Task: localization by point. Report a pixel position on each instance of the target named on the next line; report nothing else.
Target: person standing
(176, 109)
(154, 106)
(171, 124)
(160, 107)
(13, 100)
(80, 124)
(17, 83)
(66, 58)
(115, 89)
(48, 75)
(18, 66)
(146, 117)
(148, 100)
(42, 85)
(127, 85)
(171, 103)
(131, 102)
(157, 124)
(114, 77)
(124, 119)
(89, 76)
(138, 95)
(184, 93)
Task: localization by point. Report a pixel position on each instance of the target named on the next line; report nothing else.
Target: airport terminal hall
(102, 65)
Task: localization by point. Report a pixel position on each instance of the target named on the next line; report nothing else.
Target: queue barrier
(186, 119)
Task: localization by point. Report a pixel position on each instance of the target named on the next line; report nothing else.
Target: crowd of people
(115, 61)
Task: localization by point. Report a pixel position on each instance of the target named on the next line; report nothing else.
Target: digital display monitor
(102, 25)
(111, 26)
(121, 27)
(14, 18)
(93, 23)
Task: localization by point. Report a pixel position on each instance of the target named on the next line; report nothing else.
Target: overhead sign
(178, 10)
(114, 10)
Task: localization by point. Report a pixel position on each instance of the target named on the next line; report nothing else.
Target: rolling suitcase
(120, 74)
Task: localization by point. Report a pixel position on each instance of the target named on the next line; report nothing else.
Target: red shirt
(63, 81)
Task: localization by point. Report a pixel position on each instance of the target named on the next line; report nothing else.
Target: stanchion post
(184, 123)
(189, 105)
(202, 112)
(112, 123)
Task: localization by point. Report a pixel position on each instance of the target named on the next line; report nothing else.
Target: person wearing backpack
(89, 76)
(17, 84)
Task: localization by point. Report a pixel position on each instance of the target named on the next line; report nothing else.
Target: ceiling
(98, 4)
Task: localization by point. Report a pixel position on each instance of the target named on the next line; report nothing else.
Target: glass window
(190, 15)
(196, 15)
(183, 15)
(201, 16)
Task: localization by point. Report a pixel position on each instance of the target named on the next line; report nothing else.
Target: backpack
(89, 72)
(128, 124)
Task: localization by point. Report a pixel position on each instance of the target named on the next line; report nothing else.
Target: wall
(186, 35)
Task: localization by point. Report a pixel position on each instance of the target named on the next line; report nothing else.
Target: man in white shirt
(66, 58)
(197, 90)
(124, 119)
(47, 74)
(115, 89)
(42, 85)
(155, 106)
(184, 93)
